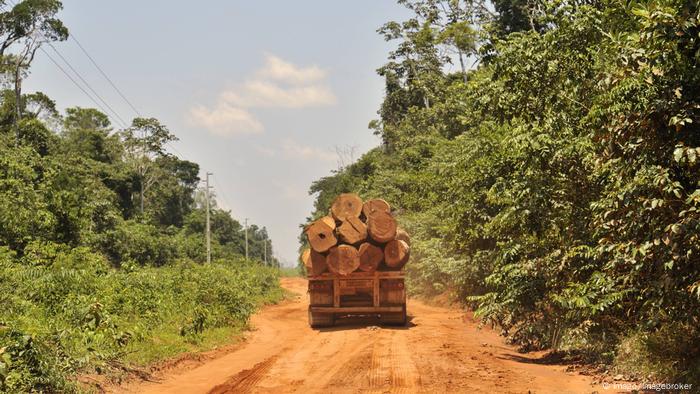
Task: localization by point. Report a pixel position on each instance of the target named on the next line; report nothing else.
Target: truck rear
(355, 263)
(378, 293)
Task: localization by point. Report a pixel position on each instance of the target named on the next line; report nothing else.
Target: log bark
(375, 205)
(352, 231)
(346, 205)
(343, 259)
(370, 257)
(320, 236)
(403, 235)
(381, 227)
(396, 254)
(314, 262)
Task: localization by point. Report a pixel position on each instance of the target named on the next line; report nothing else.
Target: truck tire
(394, 318)
(317, 320)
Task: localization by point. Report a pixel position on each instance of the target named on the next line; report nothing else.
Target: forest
(544, 157)
(102, 235)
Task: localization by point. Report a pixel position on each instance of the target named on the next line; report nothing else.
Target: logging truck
(355, 263)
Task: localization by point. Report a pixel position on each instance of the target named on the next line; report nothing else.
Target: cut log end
(370, 257)
(345, 206)
(396, 254)
(381, 227)
(352, 231)
(320, 236)
(375, 205)
(403, 235)
(314, 262)
(306, 260)
(318, 263)
(343, 260)
(329, 221)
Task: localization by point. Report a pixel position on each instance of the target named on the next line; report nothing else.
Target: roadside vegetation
(553, 186)
(102, 235)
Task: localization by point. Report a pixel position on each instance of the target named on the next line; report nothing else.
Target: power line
(108, 108)
(105, 75)
(102, 108)
(72, 80)
(223, 195)
(117, 117)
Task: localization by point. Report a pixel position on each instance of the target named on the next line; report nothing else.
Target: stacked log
(355, 236)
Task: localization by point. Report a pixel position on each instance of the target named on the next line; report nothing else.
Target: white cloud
(293, 150)
(225, 120)
(278, 84)
(265, 94)
(280, 70)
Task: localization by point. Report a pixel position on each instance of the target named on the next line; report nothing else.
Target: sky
(263, 94)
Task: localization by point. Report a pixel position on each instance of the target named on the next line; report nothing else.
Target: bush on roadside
(74, 314)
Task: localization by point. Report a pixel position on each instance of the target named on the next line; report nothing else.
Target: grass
(660, 355)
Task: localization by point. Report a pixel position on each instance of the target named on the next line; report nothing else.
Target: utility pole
(246, 238)
(265, 250)
(208, 222)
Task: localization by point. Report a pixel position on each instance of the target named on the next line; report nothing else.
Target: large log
(396, 254)
(314, 262)
(381, 227)
(375, 205)
(343, 259)
(352, 231)
(306, 259)
(329, 221)
(403, 235)
(320, 236)
(346, 205)
(370, 257)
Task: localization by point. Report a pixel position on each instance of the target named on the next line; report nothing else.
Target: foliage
(555, 186)
(75, 314)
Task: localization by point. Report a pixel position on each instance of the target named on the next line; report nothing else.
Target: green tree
(144, 142)
(28, 25)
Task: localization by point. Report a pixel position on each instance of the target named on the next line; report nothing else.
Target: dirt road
(441, 350)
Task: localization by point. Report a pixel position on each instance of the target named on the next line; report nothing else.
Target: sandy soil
(440, 350)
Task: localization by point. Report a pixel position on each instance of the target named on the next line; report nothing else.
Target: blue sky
(259, 92)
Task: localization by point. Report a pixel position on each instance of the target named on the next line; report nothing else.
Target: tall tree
(144, 142)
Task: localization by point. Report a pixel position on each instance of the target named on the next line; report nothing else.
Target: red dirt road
(441, 350)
